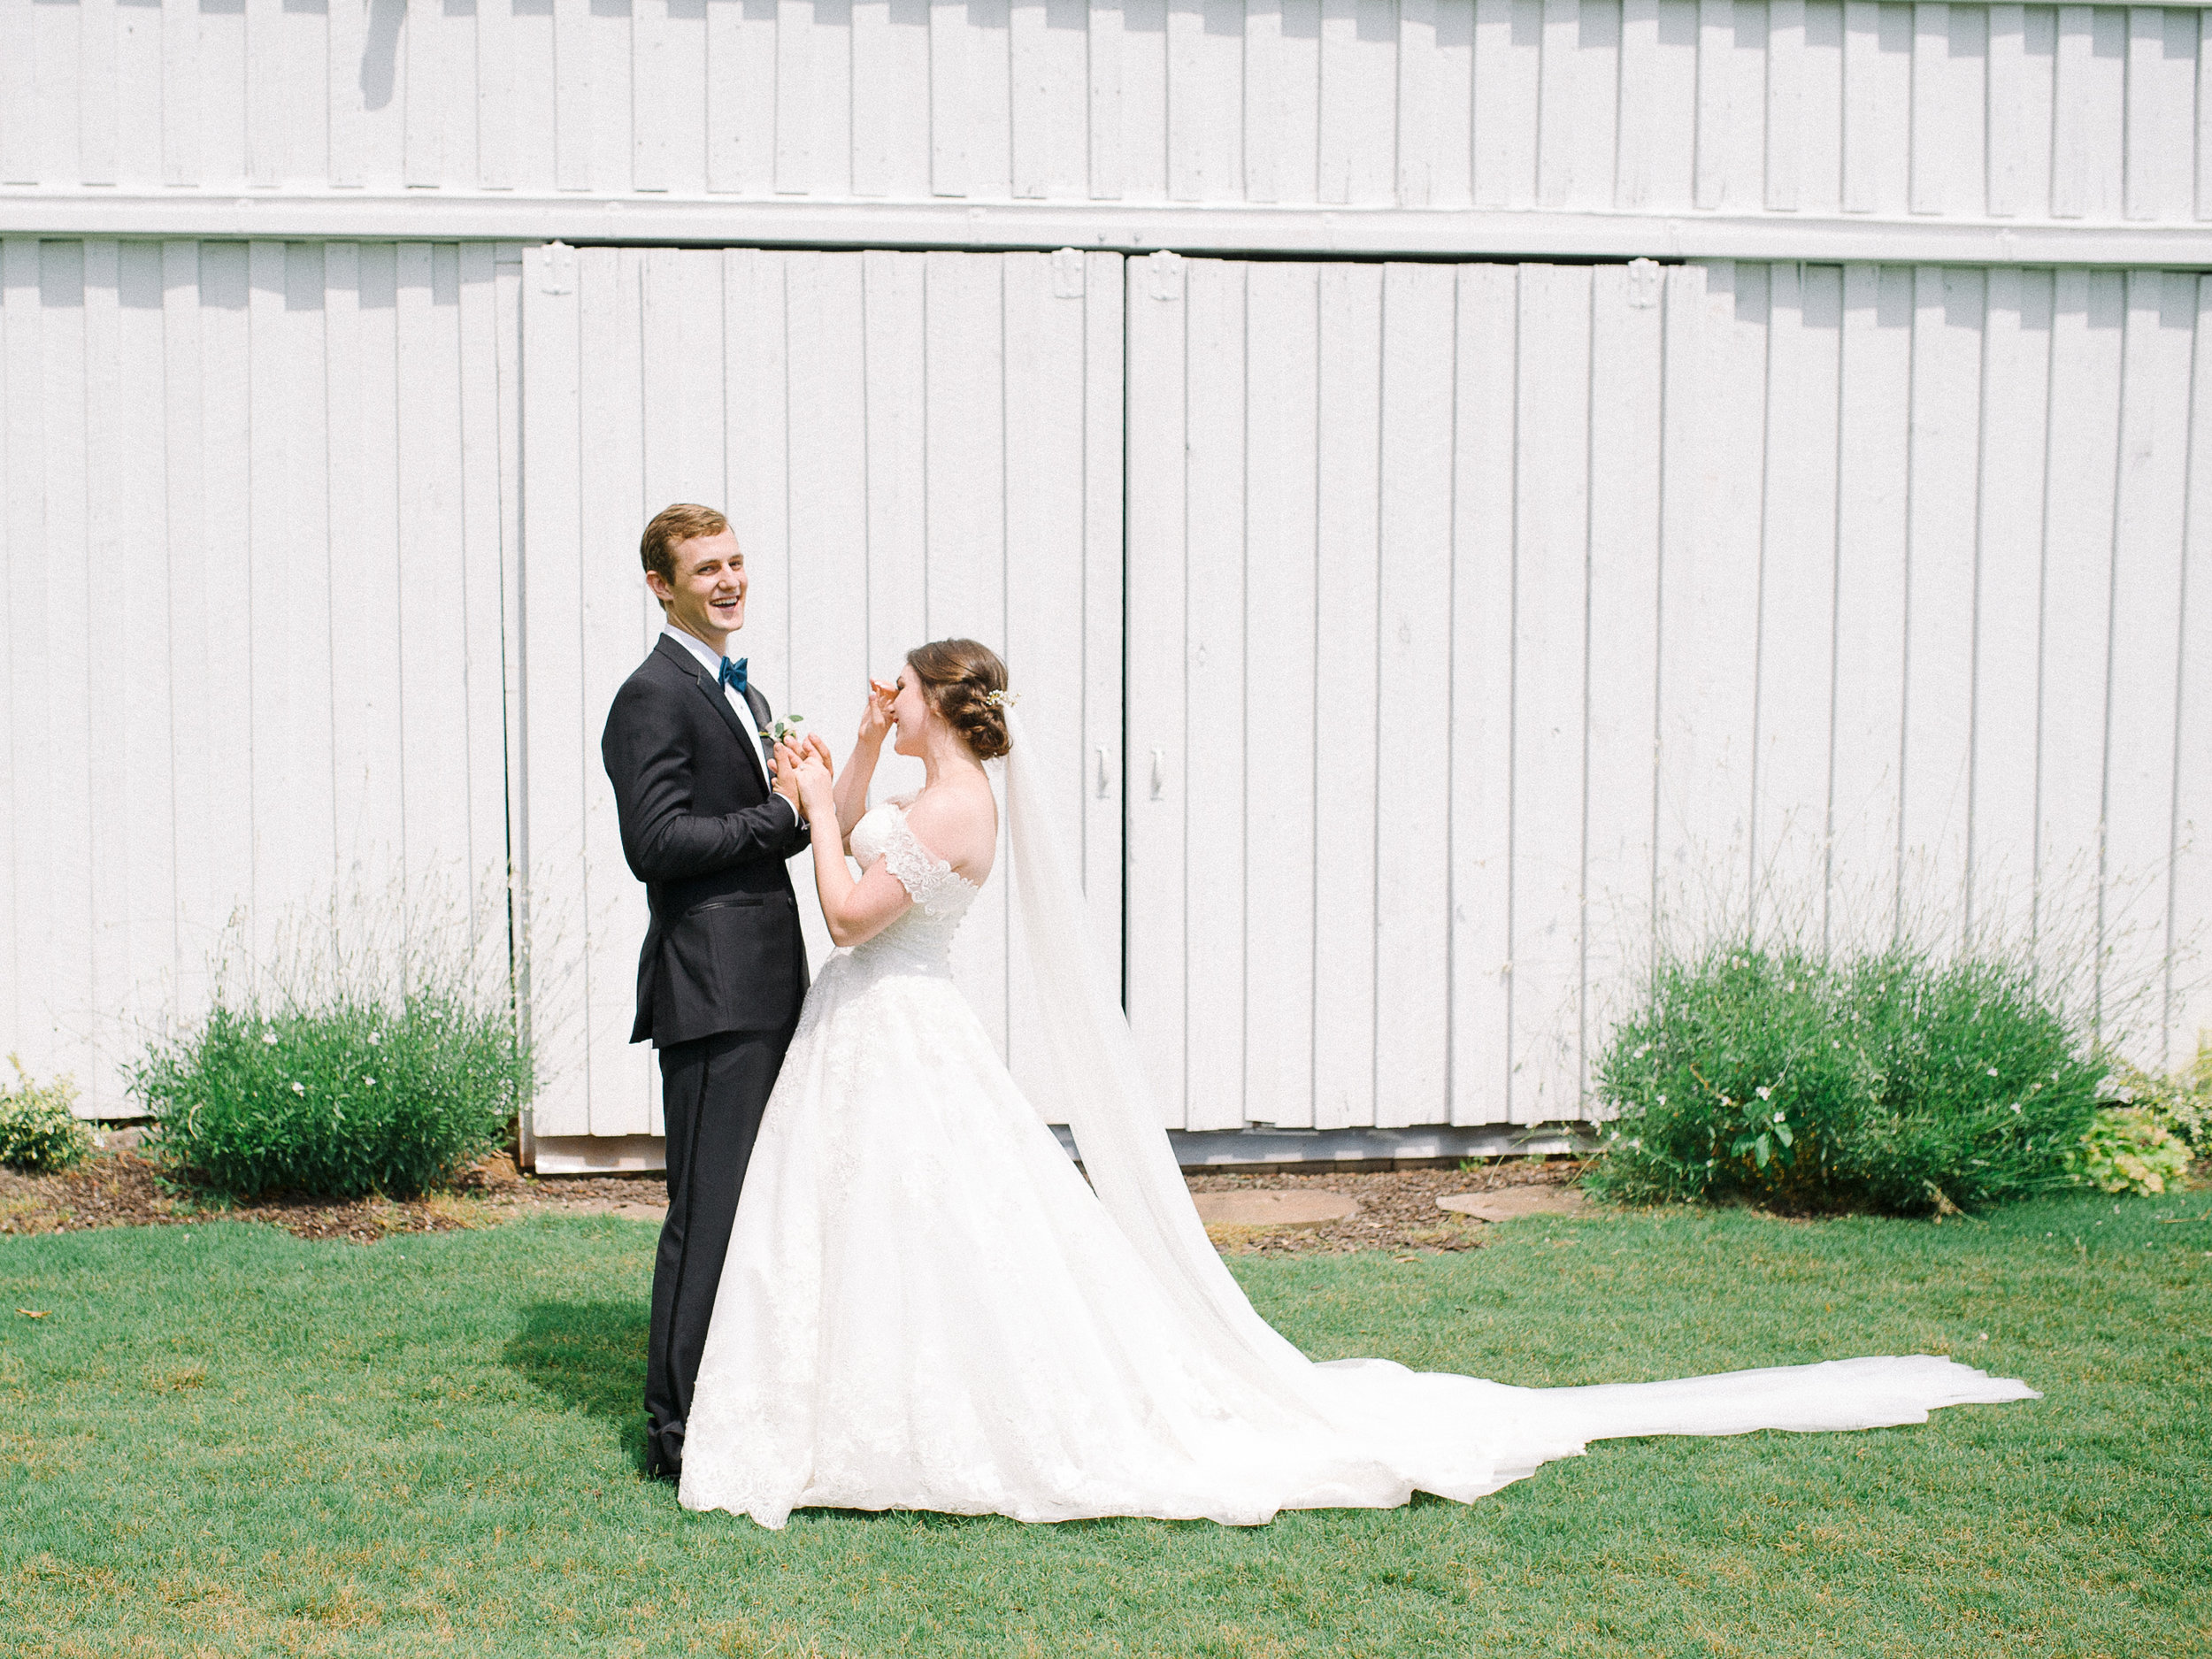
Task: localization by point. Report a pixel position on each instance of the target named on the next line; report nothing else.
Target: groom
(709, 813)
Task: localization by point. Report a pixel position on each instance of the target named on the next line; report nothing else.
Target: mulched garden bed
(120, 1187)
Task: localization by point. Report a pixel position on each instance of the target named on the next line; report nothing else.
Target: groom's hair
(656, 549)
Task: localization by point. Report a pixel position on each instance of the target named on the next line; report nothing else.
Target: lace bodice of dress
(921, 938)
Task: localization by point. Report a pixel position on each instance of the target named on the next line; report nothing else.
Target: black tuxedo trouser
(712, 1092)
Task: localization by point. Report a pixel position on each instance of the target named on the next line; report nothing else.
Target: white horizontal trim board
(2088, 114)
(253, 616)
(1347, 232)
(1488, 622)
(910, 447)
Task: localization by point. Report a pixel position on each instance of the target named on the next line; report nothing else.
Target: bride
(925, 1306)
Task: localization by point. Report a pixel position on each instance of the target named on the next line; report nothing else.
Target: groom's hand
(786, 768)
(821, 753)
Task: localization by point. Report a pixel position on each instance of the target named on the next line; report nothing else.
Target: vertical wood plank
(2148, 531)
(144, 761)
(98, 700)
(1413, 676)
(897, 543)
(1863, 895)
(560, 950)
(2010, 133)
(1785, 101)
(1045, 533)
(2160, 92)
(2188, 1009)
(742, 92)
(1819, 165)
(98, 109)
(1509, 35)
(1104, 633)
(30, 822)
(484, 621)
(1102, 65)
(2087, 332)
(227, 433)
(2090, 103)
(1797, 580)
(1290, 729)
(2016, 361)
(1944, 448)
(1348, 513)
(618, 622)
(1638, 119)
(1215, 715)
(1487, 394)
(22, 158)
(1626, 336)
(574, 99)
(1158, 423)
(1205, 43)
(966, 494)
(827, 650)
(1550, 618)
(200, 906)
(1420, 96)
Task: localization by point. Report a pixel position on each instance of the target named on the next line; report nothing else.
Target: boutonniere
(785, 730)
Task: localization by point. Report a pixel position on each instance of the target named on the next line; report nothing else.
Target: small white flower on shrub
(299, 1089)
(269, 1039)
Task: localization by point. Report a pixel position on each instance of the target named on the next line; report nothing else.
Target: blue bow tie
(733, 674)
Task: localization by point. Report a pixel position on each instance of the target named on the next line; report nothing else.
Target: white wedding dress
(924, 1306)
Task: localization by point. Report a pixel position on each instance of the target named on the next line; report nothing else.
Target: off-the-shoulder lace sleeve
(928, 880)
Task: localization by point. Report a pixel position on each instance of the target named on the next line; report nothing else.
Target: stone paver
(1306, 1209)
(1507, 1202)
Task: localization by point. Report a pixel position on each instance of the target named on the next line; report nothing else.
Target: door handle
(1159, 773)
(1105, 779)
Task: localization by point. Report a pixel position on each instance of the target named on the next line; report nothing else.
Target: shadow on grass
(591, 1356)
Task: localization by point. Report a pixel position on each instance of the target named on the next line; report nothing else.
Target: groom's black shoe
(664, 1454)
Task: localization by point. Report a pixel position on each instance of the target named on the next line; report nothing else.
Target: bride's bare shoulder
(957, 820)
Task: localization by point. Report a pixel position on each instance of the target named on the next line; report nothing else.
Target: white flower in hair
(1002, 699)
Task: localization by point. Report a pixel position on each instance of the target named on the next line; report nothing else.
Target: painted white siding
(1483, 620)
(543, 119)
(910, 447)
(280, 465)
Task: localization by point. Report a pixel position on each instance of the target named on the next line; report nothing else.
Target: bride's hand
(810, 777)
(875, 719)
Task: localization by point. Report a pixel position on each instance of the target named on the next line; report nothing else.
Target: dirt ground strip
(1397, 1208)
(121, 1187)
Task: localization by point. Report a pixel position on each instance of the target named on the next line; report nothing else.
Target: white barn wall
(286, 460)
(1615, 609)
(554, 119)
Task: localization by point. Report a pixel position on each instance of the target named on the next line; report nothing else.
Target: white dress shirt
(705, 656)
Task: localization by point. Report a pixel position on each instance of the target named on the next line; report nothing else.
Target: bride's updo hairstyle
(958, 677)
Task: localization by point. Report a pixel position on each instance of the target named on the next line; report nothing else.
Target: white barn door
(910, 446)
(1488, 621)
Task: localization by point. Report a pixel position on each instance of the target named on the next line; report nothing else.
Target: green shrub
(2131, 1150)
(38, 1132)
(339, 1101)
(1889, 1082)
(2180, 1101)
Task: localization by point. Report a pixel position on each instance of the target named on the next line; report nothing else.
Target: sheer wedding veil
(1095, 1080)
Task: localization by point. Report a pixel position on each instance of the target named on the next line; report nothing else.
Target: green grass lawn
(224, 1440)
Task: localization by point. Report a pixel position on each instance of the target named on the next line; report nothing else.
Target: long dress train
(925, 1306)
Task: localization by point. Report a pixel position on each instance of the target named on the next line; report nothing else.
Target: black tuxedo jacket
(703, 832)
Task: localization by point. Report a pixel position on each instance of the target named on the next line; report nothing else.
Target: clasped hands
(803, 771)
(804, 775)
